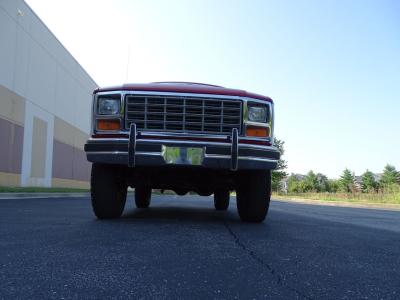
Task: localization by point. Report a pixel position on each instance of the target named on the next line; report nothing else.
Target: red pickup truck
(185, 137)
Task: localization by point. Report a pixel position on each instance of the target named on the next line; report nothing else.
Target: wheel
(108, 191)
(253, 195)
(142, 197)
(221, 200)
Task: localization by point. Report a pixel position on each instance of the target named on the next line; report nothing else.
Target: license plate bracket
(183, 155)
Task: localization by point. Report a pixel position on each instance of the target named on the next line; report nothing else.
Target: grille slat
(183, 114)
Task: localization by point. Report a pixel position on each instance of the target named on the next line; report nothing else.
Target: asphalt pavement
(181, 248)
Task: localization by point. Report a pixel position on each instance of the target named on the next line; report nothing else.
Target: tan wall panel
(69, 134)
(80, 139)
(63, 131)
(39, 142)
(12, 106)
(68, 183)
(10, 179)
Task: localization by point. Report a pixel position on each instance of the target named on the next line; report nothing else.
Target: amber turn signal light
(257, 131)
(105, 124)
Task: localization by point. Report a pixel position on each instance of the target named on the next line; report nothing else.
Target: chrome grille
(183, 114)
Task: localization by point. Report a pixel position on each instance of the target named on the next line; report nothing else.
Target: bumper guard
(137, 151)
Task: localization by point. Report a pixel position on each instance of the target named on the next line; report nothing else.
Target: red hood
(182, 87)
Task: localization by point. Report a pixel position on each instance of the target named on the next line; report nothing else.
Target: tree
(347, 181)
(390, 176)
(311, 182)
(333, 185)
(323, 183)
(279, 173)
(315, 182)
(294, 184)
(369, 183)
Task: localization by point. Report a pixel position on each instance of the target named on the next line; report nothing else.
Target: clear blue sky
(332, 67)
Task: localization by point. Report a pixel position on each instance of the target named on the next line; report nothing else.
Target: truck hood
(182, 87)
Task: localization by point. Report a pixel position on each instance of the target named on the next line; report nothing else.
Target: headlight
(258, 114)
(107, 106)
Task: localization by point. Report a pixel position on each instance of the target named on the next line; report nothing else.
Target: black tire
(108, 191)
(221, 200)
(253, 195)
(142, 197)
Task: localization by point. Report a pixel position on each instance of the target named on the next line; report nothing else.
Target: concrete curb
(42, 195)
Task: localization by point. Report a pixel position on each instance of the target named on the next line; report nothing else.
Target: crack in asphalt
(263, 263)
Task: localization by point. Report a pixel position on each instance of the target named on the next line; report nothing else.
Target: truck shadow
(180, 214)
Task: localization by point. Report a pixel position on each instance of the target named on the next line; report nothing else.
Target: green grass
(392, 197)
(6, 189)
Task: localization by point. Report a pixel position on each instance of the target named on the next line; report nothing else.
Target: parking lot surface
(182, 248)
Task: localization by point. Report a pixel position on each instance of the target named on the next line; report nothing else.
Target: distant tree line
(347, 183)
(320, 183)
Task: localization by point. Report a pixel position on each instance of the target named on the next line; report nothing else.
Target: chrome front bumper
(140, 152)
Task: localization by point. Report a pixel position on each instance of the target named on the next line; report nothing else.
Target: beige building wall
(45, 104)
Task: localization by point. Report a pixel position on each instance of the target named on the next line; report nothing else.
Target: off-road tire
(253, 195)
(221, 200)
(108, 191)
(142, 197)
